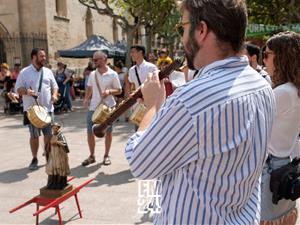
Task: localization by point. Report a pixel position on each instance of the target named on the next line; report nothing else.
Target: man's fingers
(149, 76)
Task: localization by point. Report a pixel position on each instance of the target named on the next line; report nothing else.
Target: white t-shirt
(191, 74)
(107, 80)
(284, 137)
(143, 69)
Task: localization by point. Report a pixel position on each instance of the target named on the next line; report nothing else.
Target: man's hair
(227, 19)
(119, 64)
(101, 53)
(139, 48)
(253, 50)
(35, 51)
(286, 47)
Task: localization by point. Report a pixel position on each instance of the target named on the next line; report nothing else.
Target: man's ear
(201, 31)
(254, 58)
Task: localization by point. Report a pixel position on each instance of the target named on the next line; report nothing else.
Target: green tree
(273, 12)
(168, 31)
(131, 14)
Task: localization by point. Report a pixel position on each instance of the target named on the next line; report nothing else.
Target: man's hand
(105, 93)
(153, 90)
(31, 92)
(86, 103)
(54, 98)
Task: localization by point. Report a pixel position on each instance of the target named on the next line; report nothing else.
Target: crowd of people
(212, 139)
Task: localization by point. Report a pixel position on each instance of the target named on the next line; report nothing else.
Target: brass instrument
(138, 114)
(101, 113)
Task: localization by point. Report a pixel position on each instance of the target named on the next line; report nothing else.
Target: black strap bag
(285, 182)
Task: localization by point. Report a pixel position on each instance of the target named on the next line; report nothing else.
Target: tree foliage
(131, 14)
(273, 12)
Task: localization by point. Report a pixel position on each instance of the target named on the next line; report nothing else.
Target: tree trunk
(171, 49)
(148, 39)
(130, 36)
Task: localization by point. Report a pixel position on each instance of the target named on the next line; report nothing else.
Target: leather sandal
(106, 160)
(88, 161)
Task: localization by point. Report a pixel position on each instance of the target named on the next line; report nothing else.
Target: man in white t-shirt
(108, 84)
(138, 73)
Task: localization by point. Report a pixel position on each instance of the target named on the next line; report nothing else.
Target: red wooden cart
(47, 202)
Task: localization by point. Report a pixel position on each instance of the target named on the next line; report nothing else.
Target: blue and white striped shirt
(207, 145)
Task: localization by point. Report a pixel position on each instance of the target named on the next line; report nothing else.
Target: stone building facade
(51, 24)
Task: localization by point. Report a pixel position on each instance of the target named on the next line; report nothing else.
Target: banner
(254, 30)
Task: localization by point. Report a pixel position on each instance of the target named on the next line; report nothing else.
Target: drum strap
(98, 85)
(41, 80)
(137, 76)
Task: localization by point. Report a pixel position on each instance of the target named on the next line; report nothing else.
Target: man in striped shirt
(207, 142)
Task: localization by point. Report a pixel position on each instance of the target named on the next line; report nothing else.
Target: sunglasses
(180, 27)
(266, 54)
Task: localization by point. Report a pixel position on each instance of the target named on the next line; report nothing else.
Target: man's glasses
(180, 27)
(266, 54)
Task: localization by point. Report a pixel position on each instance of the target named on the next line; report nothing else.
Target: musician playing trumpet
(102, 85)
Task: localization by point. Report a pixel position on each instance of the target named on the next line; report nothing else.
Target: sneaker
(106, 160)
(34, 164)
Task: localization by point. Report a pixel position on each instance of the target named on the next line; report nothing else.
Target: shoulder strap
(195, 73)
(41, 80)
(97, 83)
(137, 76)
(98, 86)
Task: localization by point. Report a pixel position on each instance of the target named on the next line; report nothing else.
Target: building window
(89, 23)
(61, 8)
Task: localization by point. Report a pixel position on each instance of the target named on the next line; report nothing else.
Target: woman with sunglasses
(282, 64)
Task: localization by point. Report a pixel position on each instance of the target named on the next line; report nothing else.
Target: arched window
(61, 8)
(88, 23)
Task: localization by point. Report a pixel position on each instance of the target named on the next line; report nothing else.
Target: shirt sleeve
(130, 75)
(89, 83)
(169, 143)
(153, 69)
(283, 101)
(19, 82)
(116, 82)
(53, 82)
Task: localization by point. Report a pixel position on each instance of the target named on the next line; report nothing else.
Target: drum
(138, 114)
(101, 113)
(38, 116)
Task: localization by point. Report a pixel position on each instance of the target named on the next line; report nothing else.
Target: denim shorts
(90, 123)
(270, 211)
(36, 132)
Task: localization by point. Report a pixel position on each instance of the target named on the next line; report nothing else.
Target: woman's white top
(284, 140)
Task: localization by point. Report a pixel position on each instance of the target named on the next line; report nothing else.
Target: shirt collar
(232, 61)
(32, 67)
(143, 63)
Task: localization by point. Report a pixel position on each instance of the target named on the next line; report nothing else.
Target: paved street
(110, 199)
